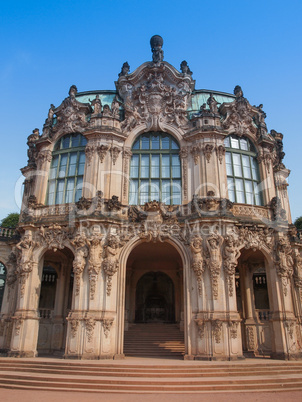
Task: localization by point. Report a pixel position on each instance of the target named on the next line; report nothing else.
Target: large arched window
(67, 170)
(2, 282)
(155, 171)
(242, 171)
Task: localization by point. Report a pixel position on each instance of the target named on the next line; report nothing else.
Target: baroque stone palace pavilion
(153, 203)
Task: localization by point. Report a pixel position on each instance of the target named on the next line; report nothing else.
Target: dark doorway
(155, 300)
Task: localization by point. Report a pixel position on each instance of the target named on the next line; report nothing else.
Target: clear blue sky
(48, 46)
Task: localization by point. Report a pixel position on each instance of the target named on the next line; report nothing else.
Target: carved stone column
(26, 320)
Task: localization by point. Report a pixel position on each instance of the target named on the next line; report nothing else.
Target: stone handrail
(7, 232)
(237, 210)
(264, 315)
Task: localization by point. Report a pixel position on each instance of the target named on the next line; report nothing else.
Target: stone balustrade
(7, 233)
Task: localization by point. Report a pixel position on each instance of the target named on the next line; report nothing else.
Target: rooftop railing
(7, 233)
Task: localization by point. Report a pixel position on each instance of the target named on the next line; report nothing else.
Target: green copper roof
(199, 97)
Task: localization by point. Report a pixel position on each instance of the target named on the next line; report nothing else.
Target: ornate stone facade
(88, 262)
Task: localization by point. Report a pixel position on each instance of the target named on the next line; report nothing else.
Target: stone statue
(110, 264)
(73, 90)
(50, 114)
(95, 252)
(32, 151)
(238, 91)
(106, 111)
(97, 104)
(230, 256)
(212, 104)
(25, 246)
(185, 68)
(115, 108)
(214, 260)
(79, 262)
(124, 70)
(156, 43)
(197, 259)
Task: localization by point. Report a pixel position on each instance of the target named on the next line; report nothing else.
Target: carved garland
(184, 158)
(207, 150)
(201, 327)
(107, 324)
(217, 330)
(127, 155)
(102, 150)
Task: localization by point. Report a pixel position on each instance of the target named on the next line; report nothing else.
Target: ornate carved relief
(89, 152)
(290, 326)
(239, 115)
(195, 151)
(114, 204)
(83, 203)
(183, 153)
(267, 158)
(284, 262)
(107, 324)
(127, 156)
(90, 324)
(114, 151)
(25, 260)
(230, 259)
(233, 329)
(18, 324)
(156, 95)
(220, 149)
(255, 238)
(44, 156)
(207, 150)
(110, 263)
(201, 327)
(196, 247)
(217, 330)
(71, 114)
(250, 332)
(74, 325)
(102, 150)
(79, 262)
(54, 236)
(94, 262)
(214, 259)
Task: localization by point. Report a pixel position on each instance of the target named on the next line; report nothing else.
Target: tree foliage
(11, 221)
(298, 223)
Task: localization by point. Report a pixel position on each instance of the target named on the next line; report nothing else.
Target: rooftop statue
(156, 43)
(238, 91)
(125, 69)
(185, 68)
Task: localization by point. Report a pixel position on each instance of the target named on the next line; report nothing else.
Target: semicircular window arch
(155, 170)
(66, 173)
(242, 171)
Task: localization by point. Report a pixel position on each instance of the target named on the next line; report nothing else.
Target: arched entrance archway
(54, 301)
(154, 301)
(253, 303)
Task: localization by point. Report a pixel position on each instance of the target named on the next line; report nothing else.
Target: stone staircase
(137, 375)
(157, 340)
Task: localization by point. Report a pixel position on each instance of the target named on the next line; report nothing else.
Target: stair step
(148, 377)
(154, 340)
